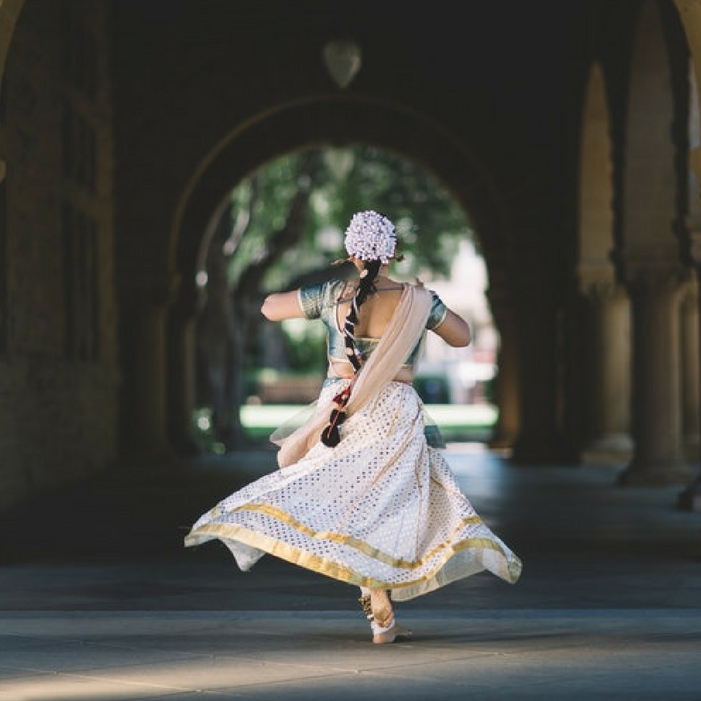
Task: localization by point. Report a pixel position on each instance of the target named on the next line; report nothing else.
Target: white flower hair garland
(371, 236)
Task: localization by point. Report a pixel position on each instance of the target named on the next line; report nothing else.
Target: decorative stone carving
(647, 277)
(602, 291)
(342, 59)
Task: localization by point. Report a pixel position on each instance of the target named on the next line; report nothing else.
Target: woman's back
(377, 310)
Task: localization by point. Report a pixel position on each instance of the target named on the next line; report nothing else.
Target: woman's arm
(454, 330)
(282, 305)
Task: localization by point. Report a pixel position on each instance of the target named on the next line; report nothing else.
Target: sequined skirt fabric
(382, 509)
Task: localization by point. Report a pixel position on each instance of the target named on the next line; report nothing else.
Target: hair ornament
(371, 236)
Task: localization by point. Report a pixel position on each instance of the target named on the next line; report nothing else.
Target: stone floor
(98, 600)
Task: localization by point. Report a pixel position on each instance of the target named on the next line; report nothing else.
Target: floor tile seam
(559, 641)
(318, 671)
(380, 674)
(392, 672)
(23, 672)
(347, 674)
(107, 644)
(310, 672)
(443, 681)
(83, 676)
(252, 657)
(439, 614)
(185, 658)
(85, 671)
(444, 653)
(621, 630)
(313, 675)
(485, 677)
(599, 653)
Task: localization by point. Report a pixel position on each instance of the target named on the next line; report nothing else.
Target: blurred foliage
(342, 181)
(305, 345)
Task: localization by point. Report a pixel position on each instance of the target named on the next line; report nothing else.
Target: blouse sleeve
(438, 312)
(310, 300)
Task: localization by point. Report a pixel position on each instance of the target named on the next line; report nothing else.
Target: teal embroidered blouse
(320, 302)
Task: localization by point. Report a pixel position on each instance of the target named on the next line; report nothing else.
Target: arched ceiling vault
(334, 120)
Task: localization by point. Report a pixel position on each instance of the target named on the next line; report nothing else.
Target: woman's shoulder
(419, 288)
(320, 296)
(324, 287)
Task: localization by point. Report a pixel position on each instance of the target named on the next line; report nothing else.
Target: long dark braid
(330, 435)
(366, 286)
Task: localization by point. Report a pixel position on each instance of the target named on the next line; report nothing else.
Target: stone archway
(336, 120)
(9, 12)
(691, 339)
(328, 121)
(690, 15)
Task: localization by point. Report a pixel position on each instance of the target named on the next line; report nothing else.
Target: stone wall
(58, 364)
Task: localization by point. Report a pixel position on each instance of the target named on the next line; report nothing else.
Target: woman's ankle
(381, 606)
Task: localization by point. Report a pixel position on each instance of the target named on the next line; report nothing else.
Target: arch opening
(279, 228)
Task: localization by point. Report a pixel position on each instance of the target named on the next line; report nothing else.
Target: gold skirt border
(297, 556)
(351, 541)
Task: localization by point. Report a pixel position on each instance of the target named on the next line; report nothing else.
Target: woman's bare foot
(390, 635)
(377, 606)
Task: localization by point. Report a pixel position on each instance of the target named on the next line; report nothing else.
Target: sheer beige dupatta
(401, 335)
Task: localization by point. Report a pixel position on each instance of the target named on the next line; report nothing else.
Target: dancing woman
(361, 496)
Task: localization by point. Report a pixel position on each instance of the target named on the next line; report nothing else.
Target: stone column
(691, 380)
(539, 439)
(690, 498)
(607, 390)
(508, 400)
(181, 371)
(144, 309)
(657, 429)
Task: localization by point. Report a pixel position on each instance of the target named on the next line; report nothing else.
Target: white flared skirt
(382, 509)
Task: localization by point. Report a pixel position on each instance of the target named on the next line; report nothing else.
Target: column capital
(694, 234)
(695, 247)
(594, 273)
(602, 290)
(690, 299)
(648, 277)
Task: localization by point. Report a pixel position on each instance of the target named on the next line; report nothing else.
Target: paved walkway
(98, 600)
